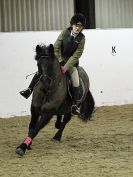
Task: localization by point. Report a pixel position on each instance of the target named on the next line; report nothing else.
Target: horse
(52, 96)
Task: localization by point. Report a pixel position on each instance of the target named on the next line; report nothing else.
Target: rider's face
(77, 28)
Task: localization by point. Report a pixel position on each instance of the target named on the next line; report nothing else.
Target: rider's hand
(64, 69)
(62, 63)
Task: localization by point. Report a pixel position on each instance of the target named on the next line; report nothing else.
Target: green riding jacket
(69, 49)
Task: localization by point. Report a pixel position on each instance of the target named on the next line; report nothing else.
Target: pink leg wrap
(27, 140)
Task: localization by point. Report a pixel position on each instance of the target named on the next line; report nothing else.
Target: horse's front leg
(66, 119)
(44, 119)
(34, 118)
(58, 122)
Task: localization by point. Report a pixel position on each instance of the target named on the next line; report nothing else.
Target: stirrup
(75, 110)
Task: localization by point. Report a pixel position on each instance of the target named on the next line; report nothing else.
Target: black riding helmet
(78, 18)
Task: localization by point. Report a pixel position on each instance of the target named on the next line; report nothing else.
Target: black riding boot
(27, 92)
(74, 108)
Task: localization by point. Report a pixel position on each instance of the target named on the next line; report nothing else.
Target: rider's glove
(64, 69)
(62, 63)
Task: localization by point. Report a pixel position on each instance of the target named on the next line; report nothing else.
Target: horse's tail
(87, 107)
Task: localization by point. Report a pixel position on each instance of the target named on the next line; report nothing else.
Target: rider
(68, 49)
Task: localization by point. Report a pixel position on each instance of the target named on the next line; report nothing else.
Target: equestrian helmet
(78, 18)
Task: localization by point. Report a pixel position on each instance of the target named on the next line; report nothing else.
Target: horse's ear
(51, 48)
(38, 48)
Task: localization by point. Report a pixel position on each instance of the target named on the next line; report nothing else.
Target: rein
(30, 75)
(48, 77)
(43, 56)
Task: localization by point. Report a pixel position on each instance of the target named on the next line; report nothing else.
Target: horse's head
(44, 51)
(45, 59)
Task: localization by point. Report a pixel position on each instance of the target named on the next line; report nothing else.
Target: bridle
(45, 77)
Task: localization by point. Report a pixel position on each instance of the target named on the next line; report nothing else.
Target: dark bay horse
(51, 97)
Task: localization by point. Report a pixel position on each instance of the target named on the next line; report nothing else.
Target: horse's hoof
(20, 152)
(29, 146)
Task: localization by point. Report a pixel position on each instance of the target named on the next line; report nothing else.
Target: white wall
(110, 73)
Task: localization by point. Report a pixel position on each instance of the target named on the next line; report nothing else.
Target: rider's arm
(57, 46)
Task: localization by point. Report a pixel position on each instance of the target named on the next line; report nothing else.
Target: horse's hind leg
(66, 119)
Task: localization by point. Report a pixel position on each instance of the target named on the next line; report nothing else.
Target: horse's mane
(42, 45)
